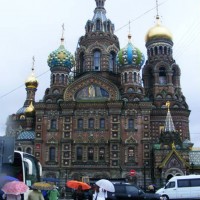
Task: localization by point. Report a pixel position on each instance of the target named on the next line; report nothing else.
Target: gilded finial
(168, 104)
(30, 108)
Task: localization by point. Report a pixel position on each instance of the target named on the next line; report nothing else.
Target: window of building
(80, 123)
(102, 153)
(79, 153)
(98, 25)
(53, 124)
(97, 60)
(130, 124)
(102, 123)
(90, 153)
(162, 76)
(125, 77)
(82, 63)
(52, 154)
(135, 77)
(131, 154)
(91, 123)
(112, 61)
(62, 78)
(28, 150)
(53, 78)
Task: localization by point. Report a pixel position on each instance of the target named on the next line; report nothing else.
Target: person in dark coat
(78, 194)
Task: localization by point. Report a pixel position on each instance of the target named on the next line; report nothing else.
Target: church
(109, 111)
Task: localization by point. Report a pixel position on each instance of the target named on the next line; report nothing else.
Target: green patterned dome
(61, 58)
(130, 55)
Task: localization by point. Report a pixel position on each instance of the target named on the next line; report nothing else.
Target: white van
(181, 187)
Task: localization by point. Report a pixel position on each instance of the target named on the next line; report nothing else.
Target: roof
(26, 135)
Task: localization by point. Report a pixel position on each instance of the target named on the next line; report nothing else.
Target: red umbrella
(75, 184)
(15, 187)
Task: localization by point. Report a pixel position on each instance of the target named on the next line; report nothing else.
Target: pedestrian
(44, 193)
(35, 195)
(1, 194)
(151, 188)
(11, 197)
(78, 194)
(53, 194)
(100, 193)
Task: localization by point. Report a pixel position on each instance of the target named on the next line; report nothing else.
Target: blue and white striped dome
(130, 56)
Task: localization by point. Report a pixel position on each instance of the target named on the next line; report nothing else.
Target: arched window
(97, 60)
(130, 124)
(112, 61)
(79, 153)
(19, 148)
(53, 124)
(135, 77)
(82, 63)
(90, 153)
(91, 123)
(53, 78)
(62, 78)
(102, 123)
(98, 25)
(80, 123)
(52, 154)
(131, 154)
(156, 50)
(125, 77)
(28, 150)
(160, 50)
(162, 76)
(101, 153)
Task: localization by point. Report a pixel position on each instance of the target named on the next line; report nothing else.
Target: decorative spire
(100, 4)
(99, 12)
(169, 125)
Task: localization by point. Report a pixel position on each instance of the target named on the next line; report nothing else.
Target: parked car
(126, 191)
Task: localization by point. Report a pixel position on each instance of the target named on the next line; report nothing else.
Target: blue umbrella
(4, 179)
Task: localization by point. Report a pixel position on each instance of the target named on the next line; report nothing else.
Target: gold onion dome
(31, 81)
(158, 31)
(30, 108)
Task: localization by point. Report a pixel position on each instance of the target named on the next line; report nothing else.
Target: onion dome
(158, 31)
(30, 109)
(31, 81)
(130, 55)
(61, 57)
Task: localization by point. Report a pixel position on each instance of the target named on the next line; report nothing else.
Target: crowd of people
(34, 194)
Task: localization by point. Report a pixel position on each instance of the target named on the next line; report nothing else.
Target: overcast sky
(33, 28)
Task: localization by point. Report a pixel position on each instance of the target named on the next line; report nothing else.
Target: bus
(25, 167)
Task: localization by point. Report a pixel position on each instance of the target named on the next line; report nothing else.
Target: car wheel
(165, 197)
